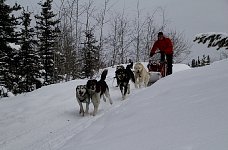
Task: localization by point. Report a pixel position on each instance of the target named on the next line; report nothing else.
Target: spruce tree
(208, 60)
(90, 55)
(219, 40)
(47, 33)
(198, 62)
(193, 63)
(8, 35)
(29, 60)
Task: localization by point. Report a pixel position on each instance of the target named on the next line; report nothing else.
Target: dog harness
(84, 99)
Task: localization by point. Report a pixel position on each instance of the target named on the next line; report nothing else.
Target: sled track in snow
(56, 139)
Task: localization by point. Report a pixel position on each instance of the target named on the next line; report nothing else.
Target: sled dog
(117, 68)
(82, 96)
(141, 75)
(98, 89)
(124, 76)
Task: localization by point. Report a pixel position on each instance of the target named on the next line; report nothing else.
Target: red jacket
(165, 45)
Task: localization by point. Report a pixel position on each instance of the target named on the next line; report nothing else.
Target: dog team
(94, 90)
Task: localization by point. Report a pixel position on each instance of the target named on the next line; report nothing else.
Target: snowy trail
(58, 138)
(187, 110)
(57, 118)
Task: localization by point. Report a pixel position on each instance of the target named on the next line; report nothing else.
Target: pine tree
(47, 33)
(8, 35)
(193, 63)
(208, 60)
(219, 40)
(203, 61)
(29, 60)
(90, 55)
(198, 62)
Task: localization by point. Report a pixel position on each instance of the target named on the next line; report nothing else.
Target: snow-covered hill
(184, 111)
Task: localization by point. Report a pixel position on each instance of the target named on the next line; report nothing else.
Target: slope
(186, 110)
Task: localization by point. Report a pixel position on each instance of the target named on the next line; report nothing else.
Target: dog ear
(88, 84)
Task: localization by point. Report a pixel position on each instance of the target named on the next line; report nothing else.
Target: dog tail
(104, 74)
(130, 66)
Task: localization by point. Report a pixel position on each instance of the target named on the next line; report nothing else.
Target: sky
(184, 111)
(189, 17)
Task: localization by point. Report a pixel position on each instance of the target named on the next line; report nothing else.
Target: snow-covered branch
(214, 39)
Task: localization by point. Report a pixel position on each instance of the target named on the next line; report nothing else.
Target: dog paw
(93, 114)
(82, 113)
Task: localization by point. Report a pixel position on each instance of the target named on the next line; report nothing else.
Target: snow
(184, 111)
(220, 35)
(14, 46)
(223, 34)
(41, 80)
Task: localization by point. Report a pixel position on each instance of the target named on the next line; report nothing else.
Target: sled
(157, 70)
(159, 67)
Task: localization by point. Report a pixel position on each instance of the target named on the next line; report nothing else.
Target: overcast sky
(188, 16)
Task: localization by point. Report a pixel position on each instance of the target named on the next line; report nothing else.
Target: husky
(82, 96)
(117, 68)
(98, 89)
(124, 76)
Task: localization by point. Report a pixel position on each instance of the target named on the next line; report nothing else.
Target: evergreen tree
(47, 33)
(29, 60)
(203, 61)
(197, 65)
(198, 62)
(193, 63)
(8, 35)
(208, 60)
(219, 40)
(90, 55)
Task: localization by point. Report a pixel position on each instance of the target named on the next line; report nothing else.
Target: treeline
(27, 59)
(201, 62)
(73, 42)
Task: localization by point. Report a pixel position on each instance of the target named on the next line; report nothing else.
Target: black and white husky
(82, 96)
(124, 76)
(98, 89)
(117, 79)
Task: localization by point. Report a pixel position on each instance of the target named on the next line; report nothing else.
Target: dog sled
(157, 69)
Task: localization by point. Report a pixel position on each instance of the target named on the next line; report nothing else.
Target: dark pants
(169, 59)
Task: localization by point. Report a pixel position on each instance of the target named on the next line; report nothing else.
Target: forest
(75, 42)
